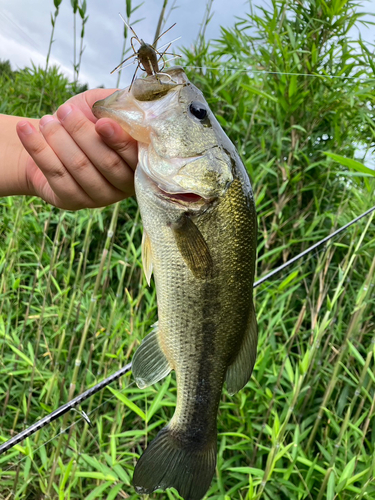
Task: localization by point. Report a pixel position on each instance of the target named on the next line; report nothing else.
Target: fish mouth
(184, 198)
(169, 191)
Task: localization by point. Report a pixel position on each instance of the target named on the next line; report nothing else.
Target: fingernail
(25, 127)
(107, 130)
(64, 111)
(45, 119)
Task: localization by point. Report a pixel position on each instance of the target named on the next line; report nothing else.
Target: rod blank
(98, 387)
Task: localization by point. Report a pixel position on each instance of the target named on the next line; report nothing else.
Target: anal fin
(149, 363)
(239, 372)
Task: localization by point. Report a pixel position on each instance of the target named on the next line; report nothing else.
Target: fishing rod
(310, 249)
(18, 438)
(64, 409)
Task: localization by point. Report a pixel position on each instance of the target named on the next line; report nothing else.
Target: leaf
(98, 491)
(21, 355)
(230, 78)
(128, 403)
(128, 8)
(74, 4)
(350, 163)
(254, 90)
(289, 369)
(16, 284)
(356, 353)
(156, 403)
(66, 476)
(122, 474)
(287, 280)
(114, 491)
(309, 463)
(304, 364)
(113, 448)
(96, 475)
(248, 470)
(293, 85)
(347, 473)
(331, 486)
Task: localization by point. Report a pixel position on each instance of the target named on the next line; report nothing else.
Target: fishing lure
(147, 55)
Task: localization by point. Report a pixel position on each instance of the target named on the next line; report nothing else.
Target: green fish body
(199, 240)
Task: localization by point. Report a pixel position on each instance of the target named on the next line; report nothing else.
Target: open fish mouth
(169, 193)
(166, 188)
(184, 198)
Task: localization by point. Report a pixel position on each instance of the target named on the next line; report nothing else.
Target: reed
(74, 303)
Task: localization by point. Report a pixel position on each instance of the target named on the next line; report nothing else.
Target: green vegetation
(74, 303)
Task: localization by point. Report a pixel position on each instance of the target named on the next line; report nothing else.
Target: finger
(78, 164)
(114, 167)
(56, 185)
(117, 139)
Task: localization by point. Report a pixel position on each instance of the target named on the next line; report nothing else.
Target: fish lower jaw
(183, 198)
(172, 193)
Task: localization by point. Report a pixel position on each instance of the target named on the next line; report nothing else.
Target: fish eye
(198, 110)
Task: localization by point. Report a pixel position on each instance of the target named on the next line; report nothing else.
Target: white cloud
(25, 29)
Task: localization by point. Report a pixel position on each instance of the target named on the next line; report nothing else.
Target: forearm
(13, 157)
(69, 159)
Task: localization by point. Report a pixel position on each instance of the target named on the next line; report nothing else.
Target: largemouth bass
(199, 240)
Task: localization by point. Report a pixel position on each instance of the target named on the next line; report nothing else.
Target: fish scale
(201, 250)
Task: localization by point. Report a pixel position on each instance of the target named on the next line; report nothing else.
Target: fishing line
(255, 71)
(310, 249)
(277, 280)
(84, 416)
(47, 420)
(96, 388)
(23, 33)
(63, 409)
(250, 70)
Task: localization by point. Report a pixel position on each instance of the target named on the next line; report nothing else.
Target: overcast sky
(25, 29)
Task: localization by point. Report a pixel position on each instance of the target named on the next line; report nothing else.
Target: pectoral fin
(192, 246)
(146, 256)
(149, 364)
(239, 372)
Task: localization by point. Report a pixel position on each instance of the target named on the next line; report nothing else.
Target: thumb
(118, 140)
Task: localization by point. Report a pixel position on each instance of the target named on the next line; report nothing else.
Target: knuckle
(123, 148)
(38, 148)
(76, 126)
(58, 172)
(116, 163)
(80, 162)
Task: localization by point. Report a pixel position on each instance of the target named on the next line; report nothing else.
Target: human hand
(77, 161)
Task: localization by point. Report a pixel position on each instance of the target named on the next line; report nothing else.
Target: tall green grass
(74, 303)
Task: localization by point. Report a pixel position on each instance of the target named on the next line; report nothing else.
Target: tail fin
(170, 463)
